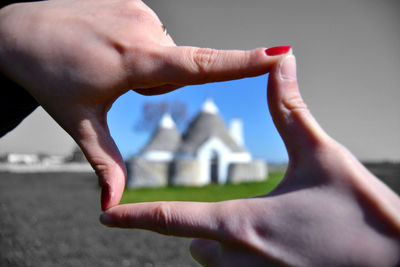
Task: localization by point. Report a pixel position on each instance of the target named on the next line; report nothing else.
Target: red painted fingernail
(278, 50)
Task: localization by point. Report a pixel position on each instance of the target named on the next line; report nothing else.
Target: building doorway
(214, 162)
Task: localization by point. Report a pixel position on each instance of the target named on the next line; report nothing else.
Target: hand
(328, 211)
(76, 57)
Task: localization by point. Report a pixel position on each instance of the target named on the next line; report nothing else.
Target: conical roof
(206, 125)
(165, 138)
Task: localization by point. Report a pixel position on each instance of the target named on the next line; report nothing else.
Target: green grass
(209, 193)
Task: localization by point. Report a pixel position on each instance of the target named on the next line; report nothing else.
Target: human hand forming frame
(328, 211)
(76, 57)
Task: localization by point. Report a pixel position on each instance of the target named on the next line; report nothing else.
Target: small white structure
(206, 153)
(27, 159)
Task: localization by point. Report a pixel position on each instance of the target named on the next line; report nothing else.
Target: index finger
(186, 219)
(192, 65)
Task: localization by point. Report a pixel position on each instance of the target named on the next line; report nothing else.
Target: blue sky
(244, 98)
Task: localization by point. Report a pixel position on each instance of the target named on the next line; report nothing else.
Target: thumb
(297, 127)
(99, 148)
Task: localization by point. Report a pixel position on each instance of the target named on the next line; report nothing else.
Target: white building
(206, 153)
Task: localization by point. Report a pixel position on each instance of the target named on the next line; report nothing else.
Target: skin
(76, 57)
(328, 211)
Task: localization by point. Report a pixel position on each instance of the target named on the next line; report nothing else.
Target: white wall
(225, 157)
(158, 156)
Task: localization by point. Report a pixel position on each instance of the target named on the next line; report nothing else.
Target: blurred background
(348, 67)
(349, 76)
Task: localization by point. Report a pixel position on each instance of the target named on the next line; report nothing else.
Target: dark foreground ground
(52, 220)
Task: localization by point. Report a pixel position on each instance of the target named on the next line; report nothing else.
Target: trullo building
(206, 153)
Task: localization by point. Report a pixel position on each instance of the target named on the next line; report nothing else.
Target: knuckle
(143, 16)
(293, 103)
(162, 218)
(141, 67)
(292, 100)
(127, 9)
(102, 168)
(203, 58)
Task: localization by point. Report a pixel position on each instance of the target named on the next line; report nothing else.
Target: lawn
(208, 193)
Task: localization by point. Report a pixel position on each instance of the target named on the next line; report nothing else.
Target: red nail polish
(278, 50)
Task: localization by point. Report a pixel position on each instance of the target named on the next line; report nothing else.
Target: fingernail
(287, 68)
(278, 50)
(106, 219)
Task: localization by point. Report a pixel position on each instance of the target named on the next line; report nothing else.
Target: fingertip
(105, 197)
(112, 189)
(270, 58)
(278, 50)
(287, 68)
(283, 91)
(106, 219)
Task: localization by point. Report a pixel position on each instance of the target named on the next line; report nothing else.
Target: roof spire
(167, 121)
(209, 106)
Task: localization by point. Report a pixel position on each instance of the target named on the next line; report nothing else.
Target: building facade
(208, 152)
